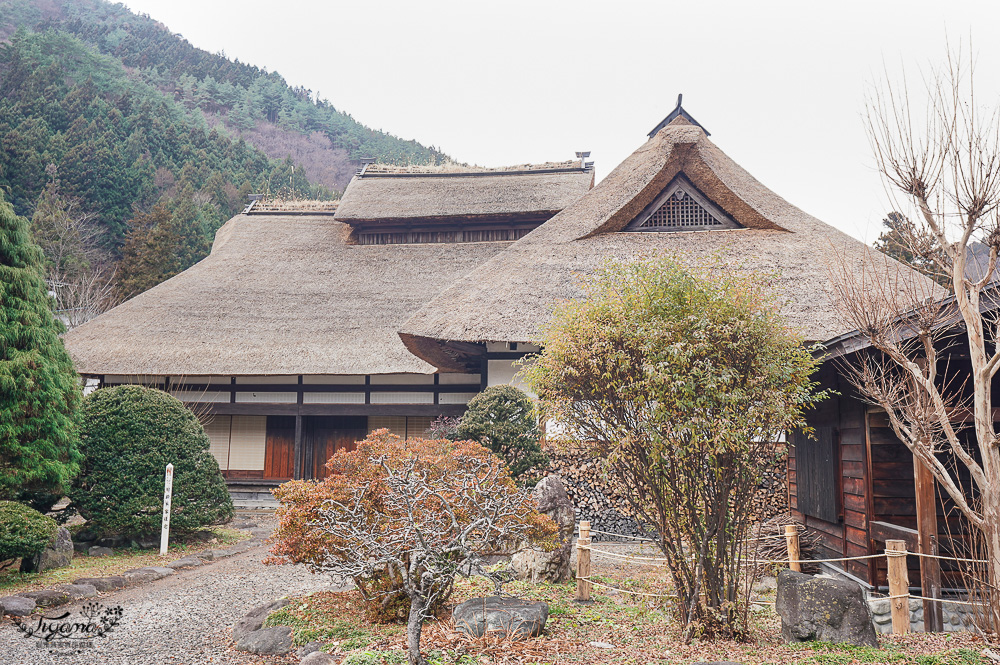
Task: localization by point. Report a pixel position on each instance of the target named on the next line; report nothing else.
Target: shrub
(39, 389)
(502, 418)
(681, 379)
(129, 435)
(403, 518)
(24, 532)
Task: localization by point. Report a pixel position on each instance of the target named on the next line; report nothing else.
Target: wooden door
(279, 449)
(328, 434)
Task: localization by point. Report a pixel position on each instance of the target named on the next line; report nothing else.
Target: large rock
(78, 591)
(537, 565)
(501, 614)
(254, 619)
(276, 639)
(103, 584)
(57, 554)
(49, 597)
(318, 658)
(18, 606)
(824, 610)
(97, 550)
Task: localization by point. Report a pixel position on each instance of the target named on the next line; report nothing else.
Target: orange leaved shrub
(360, 476)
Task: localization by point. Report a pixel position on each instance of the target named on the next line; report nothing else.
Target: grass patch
(13, 582)
(840, 654)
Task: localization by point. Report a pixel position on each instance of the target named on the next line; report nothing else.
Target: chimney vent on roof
(584, 164)
(365, 163)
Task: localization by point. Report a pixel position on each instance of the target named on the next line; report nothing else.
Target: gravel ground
(184, 618)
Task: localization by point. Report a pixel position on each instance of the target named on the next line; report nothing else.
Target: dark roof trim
(673, 115)
(473, 174)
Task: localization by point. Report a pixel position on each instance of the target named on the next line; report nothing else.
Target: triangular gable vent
(681, 207)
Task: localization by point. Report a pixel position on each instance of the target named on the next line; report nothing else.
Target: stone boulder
(255, 618)
(318, 658)
(49, 597)
(77, 591)
(57, 554)
(501, 614)
(824, 610)
(18, 606)
(103, 584)
(276, 640)
(97, 550)
(537, 565)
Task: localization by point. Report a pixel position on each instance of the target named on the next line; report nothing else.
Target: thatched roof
(510, 296)
(384, 194)
(278, 295)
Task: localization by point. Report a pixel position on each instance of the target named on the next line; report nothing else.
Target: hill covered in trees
(124, 141)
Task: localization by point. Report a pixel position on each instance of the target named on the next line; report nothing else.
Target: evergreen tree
(39, 389)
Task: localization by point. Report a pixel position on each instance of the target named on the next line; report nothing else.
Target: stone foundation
(956, 617)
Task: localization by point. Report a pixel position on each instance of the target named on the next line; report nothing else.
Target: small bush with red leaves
(365, 476)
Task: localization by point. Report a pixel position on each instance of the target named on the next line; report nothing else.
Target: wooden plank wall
(848, 535)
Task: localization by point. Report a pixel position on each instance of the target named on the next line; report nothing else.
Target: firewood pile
(597, 498)
(770, 535)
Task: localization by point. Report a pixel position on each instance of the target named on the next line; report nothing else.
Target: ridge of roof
(678, 112)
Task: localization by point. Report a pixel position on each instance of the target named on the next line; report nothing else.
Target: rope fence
(895, 555)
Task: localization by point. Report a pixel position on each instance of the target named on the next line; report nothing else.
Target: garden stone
(222, 554)
(205, 555)
(103, 584)
(276, 640)
(85, 536)
(81, 547)
(260, 533)
(501, 614)
(823, 610)
(49, 597)
(112, 541)
(100, 551)
(134, 577)
(78, 591)
(186, 562)
(307, 649)
(601, 645)
(159, 572)
(57, 554)
(146, 542)
(18, 606)
(535, 564)
(319, 658)
(254, 619)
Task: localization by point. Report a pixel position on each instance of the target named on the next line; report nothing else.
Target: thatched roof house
(677, 193)
(288, 329)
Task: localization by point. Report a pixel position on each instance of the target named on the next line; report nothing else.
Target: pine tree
(39, 389)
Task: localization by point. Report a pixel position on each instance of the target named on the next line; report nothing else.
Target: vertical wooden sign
(168, 489)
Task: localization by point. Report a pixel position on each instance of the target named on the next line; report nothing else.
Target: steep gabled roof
(278, 294)
(510, 296)
(381, 194)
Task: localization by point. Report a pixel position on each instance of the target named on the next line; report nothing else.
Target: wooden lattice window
(681, 207)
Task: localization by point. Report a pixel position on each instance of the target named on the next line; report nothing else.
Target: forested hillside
(125, 142)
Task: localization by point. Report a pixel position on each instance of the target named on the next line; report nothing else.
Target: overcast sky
(781, 86)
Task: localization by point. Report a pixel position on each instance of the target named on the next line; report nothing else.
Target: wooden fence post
(792, 540)
(899, 586)
(583, 563)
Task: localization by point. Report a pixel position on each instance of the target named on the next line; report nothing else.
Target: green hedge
(24, 532)
(129, 435)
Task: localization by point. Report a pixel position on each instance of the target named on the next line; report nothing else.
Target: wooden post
(899, 586)
(792, 541)
(583, 563)
(168, 490)
(927, 543)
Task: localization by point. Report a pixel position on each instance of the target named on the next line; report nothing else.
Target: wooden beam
(263, 409)
(927, 543)
(885, 532)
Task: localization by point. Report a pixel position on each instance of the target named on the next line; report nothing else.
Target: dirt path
(184, 618)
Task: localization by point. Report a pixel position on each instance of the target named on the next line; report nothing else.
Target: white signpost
(168, 488)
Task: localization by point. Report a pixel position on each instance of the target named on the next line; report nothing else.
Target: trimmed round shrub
(128, 437)
(24, 532)
(502, 418)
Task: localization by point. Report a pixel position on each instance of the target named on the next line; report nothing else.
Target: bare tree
(945, 163)
(427, 528)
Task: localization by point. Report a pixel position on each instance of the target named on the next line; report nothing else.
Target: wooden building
(285, 337)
